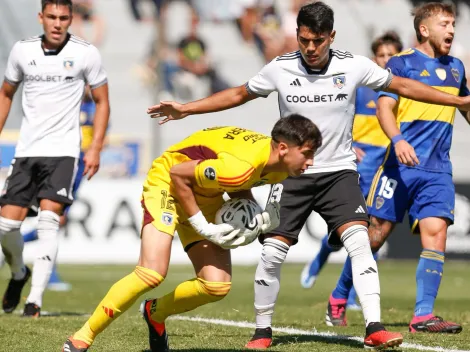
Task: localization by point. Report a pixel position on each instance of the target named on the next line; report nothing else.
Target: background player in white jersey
(321, 84)
(54, 69)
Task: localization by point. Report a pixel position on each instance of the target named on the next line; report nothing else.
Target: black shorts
(336, 196)
(31, 179)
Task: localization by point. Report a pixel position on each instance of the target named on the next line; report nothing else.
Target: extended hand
(171, 109)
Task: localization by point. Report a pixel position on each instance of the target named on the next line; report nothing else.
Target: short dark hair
(389, 37)
(317, 16)
(67, 3)
(298, 130)
(430, 9)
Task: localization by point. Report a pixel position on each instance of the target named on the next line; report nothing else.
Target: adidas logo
(108, 311)
(62, 192)
(371, 104)
(261, 282)
(67, 348)
(46, 257)
(369, 271)
(424, 73)
(360, 209)
(296, 82)
(32, 63)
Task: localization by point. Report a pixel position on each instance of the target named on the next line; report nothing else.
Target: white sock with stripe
(364, 269)
(48, 234)
(267, 279)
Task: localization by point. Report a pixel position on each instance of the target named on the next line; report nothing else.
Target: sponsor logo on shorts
(167, 219)
(379, 202)
(209, 173)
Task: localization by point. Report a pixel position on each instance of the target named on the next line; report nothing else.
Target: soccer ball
(240, 213)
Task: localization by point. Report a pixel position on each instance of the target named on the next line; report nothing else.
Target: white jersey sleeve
(14, 72)
(95, 74)
(264, 82)
(373, 76)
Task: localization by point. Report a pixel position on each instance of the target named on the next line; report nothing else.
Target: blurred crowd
(178, 68)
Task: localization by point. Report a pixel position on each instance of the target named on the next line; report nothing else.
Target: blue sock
(345, 282)
(321, 258)
(30, 236)
(428, 278)
(352, 298)
(54, 276)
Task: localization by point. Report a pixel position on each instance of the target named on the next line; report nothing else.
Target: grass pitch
(297, 308)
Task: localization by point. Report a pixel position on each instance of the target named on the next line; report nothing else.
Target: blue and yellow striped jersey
(367, 133)
(87, 114)
(427, 127)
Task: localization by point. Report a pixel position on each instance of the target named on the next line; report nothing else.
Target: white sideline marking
(331, 335)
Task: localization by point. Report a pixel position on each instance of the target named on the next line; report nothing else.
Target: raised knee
(216, 290)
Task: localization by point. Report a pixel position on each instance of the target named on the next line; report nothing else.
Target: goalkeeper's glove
(271, 217)
(218, 234)
(267, 221)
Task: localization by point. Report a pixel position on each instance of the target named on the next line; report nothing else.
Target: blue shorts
(422, 193)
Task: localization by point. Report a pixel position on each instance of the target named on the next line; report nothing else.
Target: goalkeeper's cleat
(12, 296)
(432, 323)
(31, 310)
(261, 340)
(378, 338)
(307, 279)
(336, 312)
(72, 345)
(158, 339)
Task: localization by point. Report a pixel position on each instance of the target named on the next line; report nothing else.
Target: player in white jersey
(319, 83)
(54, 69)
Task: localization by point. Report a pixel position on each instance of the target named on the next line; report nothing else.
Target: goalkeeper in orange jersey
(183, 192)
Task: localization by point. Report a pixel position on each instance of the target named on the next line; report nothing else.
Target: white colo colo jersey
(53, 85)
(326, 97)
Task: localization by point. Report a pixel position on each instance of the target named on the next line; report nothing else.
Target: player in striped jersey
(370, 144)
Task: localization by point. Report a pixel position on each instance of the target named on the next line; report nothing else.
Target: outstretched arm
(418, 91)
(223, 100)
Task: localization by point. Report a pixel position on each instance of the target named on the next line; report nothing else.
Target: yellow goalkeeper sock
(188, 296)
(118, 299)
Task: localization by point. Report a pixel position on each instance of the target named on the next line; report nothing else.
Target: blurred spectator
(182, 74)
(289, 26)
(83, 13)
(273, 32)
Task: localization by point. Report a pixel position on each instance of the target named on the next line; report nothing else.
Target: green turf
(296, 307)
